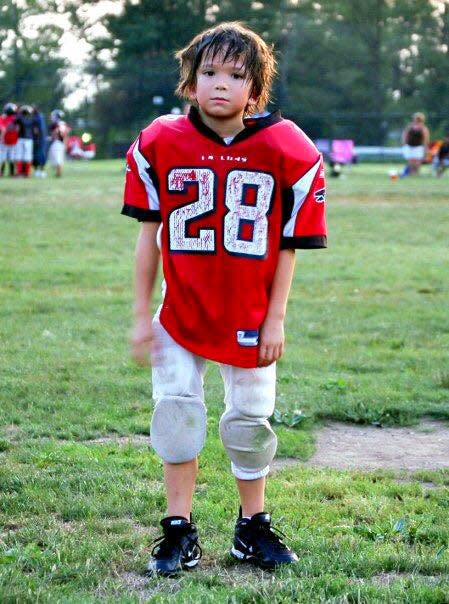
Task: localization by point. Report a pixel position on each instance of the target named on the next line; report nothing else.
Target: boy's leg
(178, 430)
(180, 479)
(178, 425)
(252, 496)
(244, 428)
(251, 445)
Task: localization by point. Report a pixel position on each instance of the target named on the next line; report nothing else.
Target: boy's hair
(234, 40)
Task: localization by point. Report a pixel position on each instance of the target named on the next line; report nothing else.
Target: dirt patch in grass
(350, 447)
(11, 432)
(386, 579)
(140, 587)
(136, 440)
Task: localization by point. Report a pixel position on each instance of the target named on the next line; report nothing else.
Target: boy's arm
(271, 344)
(145, 273)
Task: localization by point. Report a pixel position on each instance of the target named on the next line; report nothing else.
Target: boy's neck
(223, 127)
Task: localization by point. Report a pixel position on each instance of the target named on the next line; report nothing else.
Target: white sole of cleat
(239, 555)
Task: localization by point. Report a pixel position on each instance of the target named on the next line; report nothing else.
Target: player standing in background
(26, 124)
(235, 198)
(8, 140)
(58, 134)
(40, 144)
(415, 139)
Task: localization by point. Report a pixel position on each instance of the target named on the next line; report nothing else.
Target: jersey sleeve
(304, 223)
(141, 197)
(303, 194)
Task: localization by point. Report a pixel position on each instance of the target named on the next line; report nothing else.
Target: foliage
(346, 69)
(31, 68)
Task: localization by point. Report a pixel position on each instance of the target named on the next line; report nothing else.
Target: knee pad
(178, 428)
(249, 442)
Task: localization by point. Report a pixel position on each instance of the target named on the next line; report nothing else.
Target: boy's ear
(252, 101)
(191, 93)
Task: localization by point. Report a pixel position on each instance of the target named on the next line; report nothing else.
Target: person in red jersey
(232, 194)
(9, 136)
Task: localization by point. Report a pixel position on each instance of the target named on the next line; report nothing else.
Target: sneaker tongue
(261, 518)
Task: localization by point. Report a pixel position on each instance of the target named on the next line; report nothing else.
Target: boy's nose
(220, 86)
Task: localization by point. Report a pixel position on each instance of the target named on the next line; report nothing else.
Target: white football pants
(178, 425)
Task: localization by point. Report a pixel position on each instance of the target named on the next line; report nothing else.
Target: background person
(26, 124)
(58, 135)
(8, 142)
(415, 139)
(40, 144)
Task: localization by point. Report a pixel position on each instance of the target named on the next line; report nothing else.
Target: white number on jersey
(179, 218)
(240, 212)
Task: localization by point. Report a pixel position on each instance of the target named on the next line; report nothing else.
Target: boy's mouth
(219, 98)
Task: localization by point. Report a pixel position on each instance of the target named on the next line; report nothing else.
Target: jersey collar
(252, 125)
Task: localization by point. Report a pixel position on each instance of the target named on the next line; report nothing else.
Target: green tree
(31, 67)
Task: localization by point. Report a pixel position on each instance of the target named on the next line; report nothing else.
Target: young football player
(9, 137)
(59, 132)
(26, 124)
(234, 195)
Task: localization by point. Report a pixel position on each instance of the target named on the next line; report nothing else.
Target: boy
(26, 124)
(9, 137)
(58, 133)
(235, 199)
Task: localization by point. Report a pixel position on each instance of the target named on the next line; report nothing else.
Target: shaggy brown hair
(235, 41)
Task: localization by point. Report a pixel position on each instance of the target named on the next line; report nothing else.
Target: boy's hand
(271, 343)
(142, 340)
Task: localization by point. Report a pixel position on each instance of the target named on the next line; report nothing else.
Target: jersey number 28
(240, 213)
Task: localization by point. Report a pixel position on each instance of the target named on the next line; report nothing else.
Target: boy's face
(222, 90)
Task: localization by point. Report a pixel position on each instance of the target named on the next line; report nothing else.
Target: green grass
(367, 342)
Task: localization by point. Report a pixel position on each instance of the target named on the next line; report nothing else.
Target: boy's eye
(209, 72)
(237, 76)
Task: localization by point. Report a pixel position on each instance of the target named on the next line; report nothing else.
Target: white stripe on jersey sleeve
(142, 166)
(300, 191)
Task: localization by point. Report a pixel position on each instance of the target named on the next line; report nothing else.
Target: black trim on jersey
(150, 170)
(252, 125)
(288, 200)
(141, 214)
(309, 242)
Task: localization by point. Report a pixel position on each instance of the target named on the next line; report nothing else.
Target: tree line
(346, 69)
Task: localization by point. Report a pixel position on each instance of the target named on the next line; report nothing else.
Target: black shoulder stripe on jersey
(252, 125)
(288, 199)
(141, 214)
(311, 242)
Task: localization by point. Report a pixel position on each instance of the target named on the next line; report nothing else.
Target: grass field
(367, 342)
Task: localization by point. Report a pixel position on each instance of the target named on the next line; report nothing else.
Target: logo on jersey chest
(224, 157)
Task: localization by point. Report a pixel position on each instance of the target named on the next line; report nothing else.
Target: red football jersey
(226, 212)
(11, 134)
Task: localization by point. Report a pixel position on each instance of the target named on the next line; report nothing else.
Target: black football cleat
(257, 542)
(177, 549)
